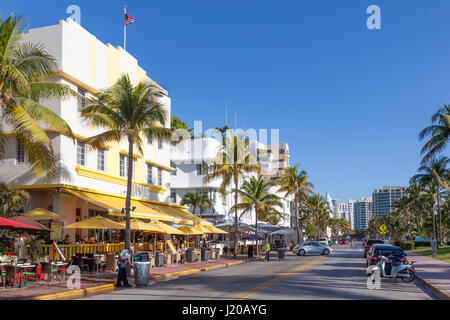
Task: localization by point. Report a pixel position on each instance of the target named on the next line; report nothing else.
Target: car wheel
(302, 252)
(326, 252)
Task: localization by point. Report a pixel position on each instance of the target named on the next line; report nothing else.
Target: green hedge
(406, 245)
(422, 244)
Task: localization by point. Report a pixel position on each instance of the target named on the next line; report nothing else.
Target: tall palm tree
(294, 183)
(439, 133)
(24, 68)
(12, 200)
(238, 162)
(255, 195)
(223, 132)
(433, 173)
(319, 207)
(131, 113)
(197, 200)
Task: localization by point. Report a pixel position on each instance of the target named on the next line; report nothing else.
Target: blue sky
(349, 101)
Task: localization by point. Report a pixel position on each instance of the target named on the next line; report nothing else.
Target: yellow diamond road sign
(383, 228)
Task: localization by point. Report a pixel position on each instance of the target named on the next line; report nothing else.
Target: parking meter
(434, 247)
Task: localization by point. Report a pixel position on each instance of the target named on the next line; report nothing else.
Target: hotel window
(160, 143)
(173, 196)
(201, 168)
(101, 159)
(82, 103)
(81, 153)
(20, 152)
(159, 177)
(149, 174)
(150, 140)
(123, 166)
(174, 166)
(281, 151)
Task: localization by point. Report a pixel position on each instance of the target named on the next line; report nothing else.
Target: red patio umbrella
(11, 224)
(28, 221)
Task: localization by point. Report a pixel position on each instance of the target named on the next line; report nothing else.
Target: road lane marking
(269, 283)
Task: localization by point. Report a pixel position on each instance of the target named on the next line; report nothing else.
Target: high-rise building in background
(363, 212)
(384, 200)
(351, 212)
(335, 208)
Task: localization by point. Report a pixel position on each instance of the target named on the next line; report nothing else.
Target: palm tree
(198, 200)
(12, 200)
(296, 184)
(23, 70)
(255, 195)
(320, 209)
(223, 132)
(433, 173)
(439, 133)
(127, 112)
(238, 162)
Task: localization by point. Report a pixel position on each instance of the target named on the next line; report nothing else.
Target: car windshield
(388, 252)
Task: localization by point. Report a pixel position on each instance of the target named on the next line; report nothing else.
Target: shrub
(406, 245)
(422, 244)
(396, 243)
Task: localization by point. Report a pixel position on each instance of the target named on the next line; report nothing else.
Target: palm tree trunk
(235, 212)
(296, 217)
(318, 227)
(439, 215)
(128, 199)
(257, 241)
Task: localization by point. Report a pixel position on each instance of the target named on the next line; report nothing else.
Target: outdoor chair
(47, 271)
(167, 258)
(34, 273)
(62, 270)
(12, 276)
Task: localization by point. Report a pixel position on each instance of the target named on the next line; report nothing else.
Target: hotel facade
(93, 182)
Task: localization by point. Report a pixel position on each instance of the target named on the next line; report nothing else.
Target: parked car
(334, 241)
(308, 247)
(344, 241)
(323, 241)
(369, 243)
(387, 250)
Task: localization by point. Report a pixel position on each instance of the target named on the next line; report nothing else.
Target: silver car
(308, 247)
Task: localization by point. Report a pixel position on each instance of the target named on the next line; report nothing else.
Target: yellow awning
(144, 210)
(115, 204)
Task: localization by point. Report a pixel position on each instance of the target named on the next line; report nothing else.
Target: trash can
(282, 253)
(250, 251)
(141, 273)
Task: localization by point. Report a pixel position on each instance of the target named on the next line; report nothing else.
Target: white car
(308, 247)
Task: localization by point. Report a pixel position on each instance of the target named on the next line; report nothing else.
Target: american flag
(129, 19)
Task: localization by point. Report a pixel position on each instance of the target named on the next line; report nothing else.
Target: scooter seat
(396, 264)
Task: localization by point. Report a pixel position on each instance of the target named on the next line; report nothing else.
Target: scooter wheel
(411, 275)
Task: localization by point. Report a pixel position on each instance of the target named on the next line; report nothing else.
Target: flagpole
(124, 29)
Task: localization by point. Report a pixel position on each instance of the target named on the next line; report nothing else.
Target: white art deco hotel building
(90, 182)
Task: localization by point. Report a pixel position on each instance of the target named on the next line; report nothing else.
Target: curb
(437, 291)
(76, 294)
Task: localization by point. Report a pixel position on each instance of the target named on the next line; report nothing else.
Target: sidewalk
(92, 284)
(432, 273)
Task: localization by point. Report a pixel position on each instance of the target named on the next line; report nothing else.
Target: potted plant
(34, 248)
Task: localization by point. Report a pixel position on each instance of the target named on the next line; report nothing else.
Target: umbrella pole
(98, 238)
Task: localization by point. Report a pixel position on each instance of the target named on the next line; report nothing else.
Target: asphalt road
(341, 275)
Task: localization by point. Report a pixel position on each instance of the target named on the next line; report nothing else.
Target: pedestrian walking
(267, 251)
(123, 263)
(351, 242)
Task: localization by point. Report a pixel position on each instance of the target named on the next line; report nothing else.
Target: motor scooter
(389, 269)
